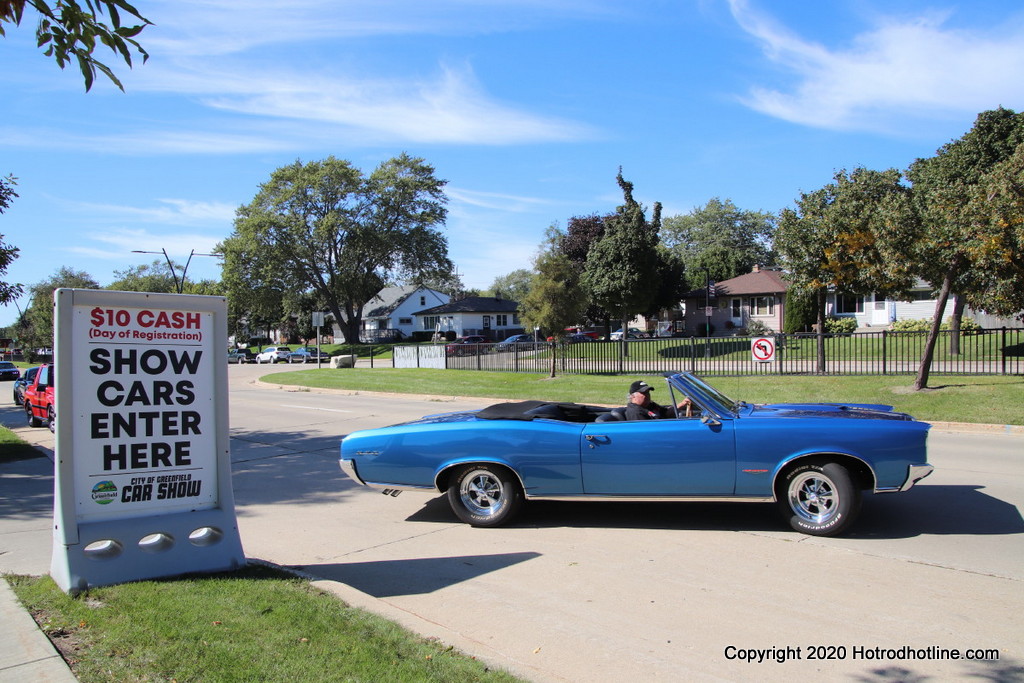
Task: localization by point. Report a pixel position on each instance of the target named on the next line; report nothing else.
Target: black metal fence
(981, 352)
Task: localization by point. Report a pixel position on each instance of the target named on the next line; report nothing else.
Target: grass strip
(256, 624)
(977, 399)
(13, 448)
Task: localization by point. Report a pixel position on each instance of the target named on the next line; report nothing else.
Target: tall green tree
(963, 228)
(36, 326)
(8, 291)
(325, 228)
(622, 269)
(513, 286)
(851, 236)
(153, 277)
(71, 30)
(554, 300)
(721, 240)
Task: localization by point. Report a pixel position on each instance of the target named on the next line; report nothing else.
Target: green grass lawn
(257, 624)
(979, 399)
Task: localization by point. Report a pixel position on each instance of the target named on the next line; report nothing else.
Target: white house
(394, 308)
(492, 317)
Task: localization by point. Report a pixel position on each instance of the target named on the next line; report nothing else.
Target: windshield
(705, 388)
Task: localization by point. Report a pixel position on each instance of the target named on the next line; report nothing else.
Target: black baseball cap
(640, 385)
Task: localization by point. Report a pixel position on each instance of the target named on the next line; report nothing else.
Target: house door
(487, 322)
(879, 311)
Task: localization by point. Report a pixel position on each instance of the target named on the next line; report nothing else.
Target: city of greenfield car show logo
(104, 492)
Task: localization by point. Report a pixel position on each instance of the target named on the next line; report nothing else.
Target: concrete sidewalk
(26, 492)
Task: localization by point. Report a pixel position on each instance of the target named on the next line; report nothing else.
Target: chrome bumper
(349, 468)
(916, 473)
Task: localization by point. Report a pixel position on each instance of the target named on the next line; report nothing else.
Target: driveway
(612, 592)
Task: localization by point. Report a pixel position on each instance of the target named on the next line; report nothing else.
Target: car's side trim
(654, 499)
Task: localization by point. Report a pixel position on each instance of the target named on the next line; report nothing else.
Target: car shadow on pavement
(924, 510)
(414, 576)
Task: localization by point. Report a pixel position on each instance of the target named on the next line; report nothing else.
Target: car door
(670, 457)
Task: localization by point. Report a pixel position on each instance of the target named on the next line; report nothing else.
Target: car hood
(861, 411)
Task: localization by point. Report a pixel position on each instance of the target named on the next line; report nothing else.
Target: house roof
(474, 304)
(758, 282)
(390, 298)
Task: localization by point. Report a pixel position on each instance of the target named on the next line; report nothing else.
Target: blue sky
(526, 107)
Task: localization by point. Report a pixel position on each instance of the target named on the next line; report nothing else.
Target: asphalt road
(614, 592)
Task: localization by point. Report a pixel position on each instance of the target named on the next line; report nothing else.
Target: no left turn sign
(762, 349)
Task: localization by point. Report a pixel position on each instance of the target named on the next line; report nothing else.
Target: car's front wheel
(485, 495)
(820, 499)
(51, 419)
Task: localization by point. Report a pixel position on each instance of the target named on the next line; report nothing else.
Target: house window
(501, 320)
(405, 321)
(762, 305)
(430, 322)
(849, 304)
(515, 319)
(737, 308)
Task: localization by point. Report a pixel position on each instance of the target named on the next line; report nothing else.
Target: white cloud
(118, 244)
(901, 70)
(170, 212)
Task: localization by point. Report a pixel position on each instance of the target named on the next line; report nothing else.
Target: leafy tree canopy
(8, 292)
(325, 228)
(720, 240)
(512, 286)
(36, 326)
(622, 268)
(71, 30)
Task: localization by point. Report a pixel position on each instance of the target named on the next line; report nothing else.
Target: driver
(641, 407)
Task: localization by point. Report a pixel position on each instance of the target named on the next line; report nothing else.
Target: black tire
(51, 419)
(18, 398)
(819, 499)
(485, 495)
(33, 421)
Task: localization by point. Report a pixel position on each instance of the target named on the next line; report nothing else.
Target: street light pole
(178, 284)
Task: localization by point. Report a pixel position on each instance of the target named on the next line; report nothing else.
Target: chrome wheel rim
(813, 497)
(482, 493)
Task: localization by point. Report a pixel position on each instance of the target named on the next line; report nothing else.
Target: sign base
(140, 548)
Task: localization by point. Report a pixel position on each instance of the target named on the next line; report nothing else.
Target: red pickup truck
(39, 404)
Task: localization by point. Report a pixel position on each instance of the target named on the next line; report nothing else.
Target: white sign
(762, 349)
(142, 444)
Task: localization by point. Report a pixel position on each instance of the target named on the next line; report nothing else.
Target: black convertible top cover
(532, 410)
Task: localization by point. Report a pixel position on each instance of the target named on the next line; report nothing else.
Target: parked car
(39, 400)
(467, 346)
(512, 342)
(308, 354)
(21, 383)
(241, 356)
(9, 371)
(633, 333)
(812, 460)
(273, 354)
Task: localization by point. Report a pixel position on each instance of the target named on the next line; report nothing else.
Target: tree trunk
(820, 337)
(554, 357)
(959, 304)
(933, 335)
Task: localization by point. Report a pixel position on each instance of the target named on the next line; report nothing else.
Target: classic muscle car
(813, 460)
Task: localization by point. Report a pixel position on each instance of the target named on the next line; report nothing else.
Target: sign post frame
(142, 474)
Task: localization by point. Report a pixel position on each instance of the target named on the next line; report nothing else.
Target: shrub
(967, 326)
(842, 325)
(758, 328)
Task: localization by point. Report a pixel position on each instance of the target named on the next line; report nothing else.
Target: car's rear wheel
(51, 419)
(820, 499)
(485, 495)
(33, 421)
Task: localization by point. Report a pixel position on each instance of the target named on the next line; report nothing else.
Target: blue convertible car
(813, 460)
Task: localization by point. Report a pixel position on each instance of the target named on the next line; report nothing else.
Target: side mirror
(708, 419)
